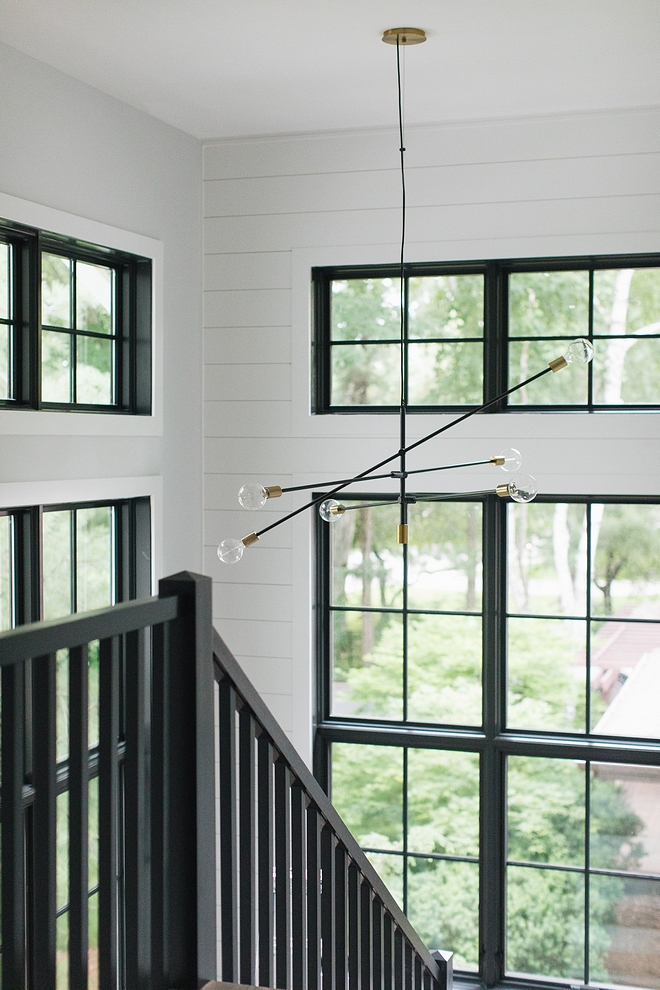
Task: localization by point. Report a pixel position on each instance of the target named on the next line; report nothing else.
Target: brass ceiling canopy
(406, 36)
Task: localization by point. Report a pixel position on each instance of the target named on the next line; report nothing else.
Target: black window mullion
(495, 334)
(587, 863)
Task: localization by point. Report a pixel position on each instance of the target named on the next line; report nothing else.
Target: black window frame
(495, 332)
(132, 552)
(492, 741)
(132, 366)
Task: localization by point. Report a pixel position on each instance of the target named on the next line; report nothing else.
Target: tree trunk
(365, 547)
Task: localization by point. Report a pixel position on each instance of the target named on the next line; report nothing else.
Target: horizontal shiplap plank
(247, 345)
(464, 142)
(471, 221)
(245, 601)
(268, 676)
(248, 308)
(256, 637)
(252, 419)
(262, 270)
(246, 383)
(261, 564)
(435, 186)
(236, 521)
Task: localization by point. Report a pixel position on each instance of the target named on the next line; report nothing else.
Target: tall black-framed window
(75, 324)
(474, 329)
(488, 726)
(58, 559)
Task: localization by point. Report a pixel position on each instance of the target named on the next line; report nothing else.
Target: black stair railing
(301, 906)
(156, 795)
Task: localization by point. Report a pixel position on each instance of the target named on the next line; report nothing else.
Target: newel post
(189, 871)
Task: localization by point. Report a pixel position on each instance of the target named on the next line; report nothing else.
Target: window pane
(625, 931)
(94, 358)
(367, 562)
(367, 791)
(545, 923)
(627, 300)
(55, 290)
(5, 281)
(5, 369)
(365, 309)
(446, 306)
(545, 816)
(626, 553)
(366, 374)
(57, 563)
(546, 674)
(367, 671)
(62, 704)
(627, 371)
(547, 559)
(55, 366)
(94, 298)
(390, 869)
(93, 916)
(526, 357)
(444, 556)
(443, 802)
(443, 906)
(94, 557)
(444, 669)
(6, 577)
(625, 679)
(93, 689)
(445, 374)
(549, 304)
(625, 824)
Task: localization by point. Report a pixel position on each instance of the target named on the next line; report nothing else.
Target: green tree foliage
(628, 548)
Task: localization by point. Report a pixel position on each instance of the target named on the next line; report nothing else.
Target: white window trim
(46, 423)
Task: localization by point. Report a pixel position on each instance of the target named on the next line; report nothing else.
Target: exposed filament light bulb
(521, 488)
(230, 551)
(509, 460)
(579, 351)
(331, 510)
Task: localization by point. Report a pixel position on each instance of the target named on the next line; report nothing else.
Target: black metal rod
(353, 926)
(341, 918)
(44, 851)
(247, 850)
(377, 977)
(266, 805)
(158, 778)
(365, 935)
(387, 474)
(282, 874)
(78, 817)
(13, 836)
(108, 810)
(412, 446)
(298, 884)
(228, 831)
(328, 907)
(314, 822)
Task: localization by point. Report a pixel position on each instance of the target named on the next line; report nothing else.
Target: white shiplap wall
(273, 207)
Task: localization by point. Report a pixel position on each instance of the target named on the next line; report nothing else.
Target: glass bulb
(579, 351)
(326, 513)
(522, 488)
(252, 496)
(512, 459)
(230, 551)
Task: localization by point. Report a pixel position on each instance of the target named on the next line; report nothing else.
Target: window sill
(32, 422)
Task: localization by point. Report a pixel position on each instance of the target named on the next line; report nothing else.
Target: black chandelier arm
(387, 474)
(393, 457)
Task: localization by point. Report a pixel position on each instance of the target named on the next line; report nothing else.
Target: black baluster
(108, 810)
(327, 907)
(44, 821)
(282, 874)
(228, 836)
(354, 915)
(266, 796)
(247, 838)
(314, 826)
(298, 883)
(13, 837)
(78, 817)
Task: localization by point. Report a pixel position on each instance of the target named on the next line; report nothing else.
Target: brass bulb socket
(273, 491)
(499, 460)
(406, 36)
(402, 533)
(248, 540)
(502, 490)
(558, 364)
(338, 510)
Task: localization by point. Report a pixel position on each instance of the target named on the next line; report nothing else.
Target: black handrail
(325, 920)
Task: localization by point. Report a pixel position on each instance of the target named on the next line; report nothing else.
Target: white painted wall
(67, 147)
(584, 183)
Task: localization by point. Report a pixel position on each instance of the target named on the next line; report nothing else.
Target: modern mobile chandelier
(520, 487)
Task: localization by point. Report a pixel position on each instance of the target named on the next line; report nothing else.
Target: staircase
(219, 855)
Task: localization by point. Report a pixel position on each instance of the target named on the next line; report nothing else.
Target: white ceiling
(219, 68)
